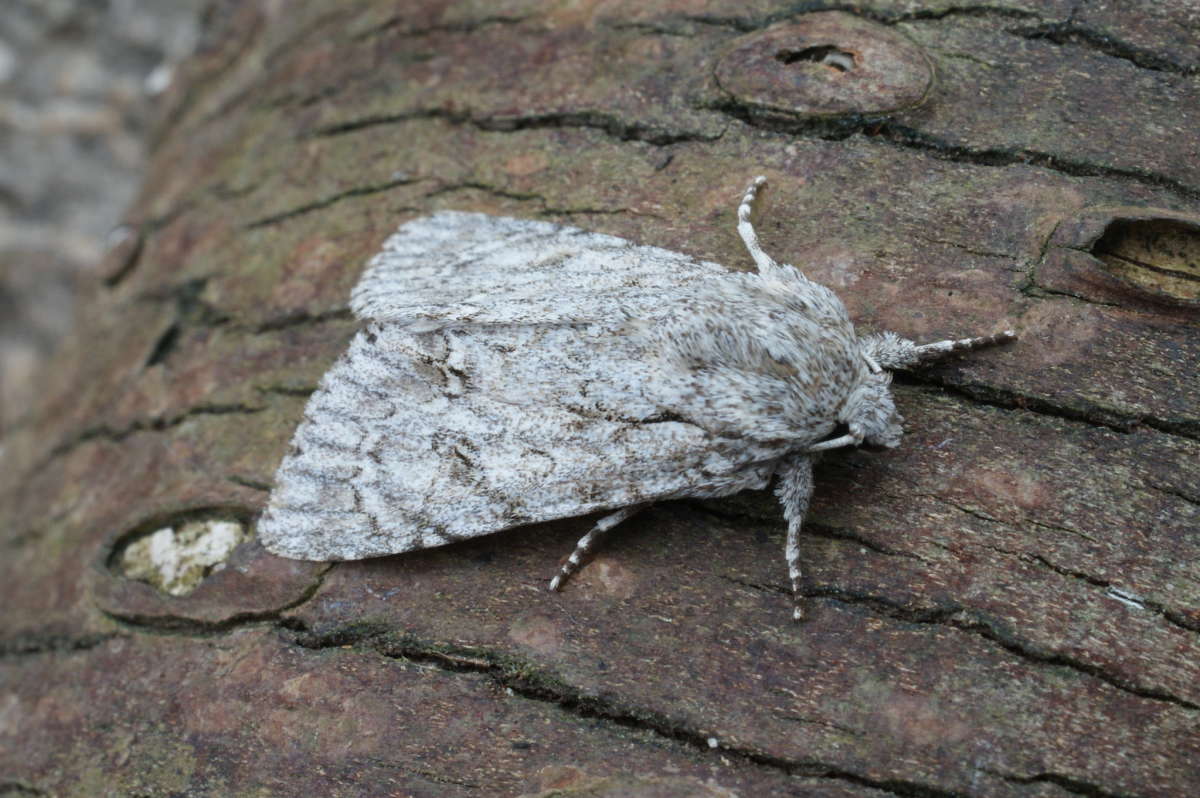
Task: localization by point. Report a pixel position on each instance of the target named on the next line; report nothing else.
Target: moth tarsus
(511, 372)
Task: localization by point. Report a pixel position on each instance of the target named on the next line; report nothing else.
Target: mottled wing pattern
(416, 439)
(456, 267)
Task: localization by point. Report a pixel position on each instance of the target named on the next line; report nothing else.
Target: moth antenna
(588, 542)
(890, 351)
(764, 261)
(938, 349)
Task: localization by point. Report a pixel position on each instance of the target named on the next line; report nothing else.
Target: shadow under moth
(511, 372)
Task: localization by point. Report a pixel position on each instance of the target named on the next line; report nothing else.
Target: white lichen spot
(177, 559)
(1125, 597)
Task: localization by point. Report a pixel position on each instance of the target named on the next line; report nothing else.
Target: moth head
(870, 413)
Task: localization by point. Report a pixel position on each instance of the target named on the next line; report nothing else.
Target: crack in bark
(496, 191)
(464, 26)
(161, 423)
(1073, 786)
(246, 482)
(904, 137)
(965, 248)
(302, 36)
(761, 587)
(191, 312)
(193, 627)
(1174, 617)
(537, 684)
(546, 210)
(1086, 412)
(554, 212)
(295, 391)
(676, 25)
(1070, 33)
(1171, 616)
(1190, 498)
(606, 122)
(952, 616)
(983, 516)
(991, 630)
(325, 202)
(665, 27)
(104, 432)
(362, 123)
(1059, 32)
(800, 719)
(543, 686)
(445, 188)
(847, 535)
(298, 319)
(810, 528)
(980, 10)
(29, 645)
(909, 138)
(1060, 528)
(1034, 290)
(875, 127)
(970, 620)
(199, 84)
(430, 775)
(837, 129)
(13, 787)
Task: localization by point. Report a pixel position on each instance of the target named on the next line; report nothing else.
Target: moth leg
(588, 542)
(794, 490)
(765, 263)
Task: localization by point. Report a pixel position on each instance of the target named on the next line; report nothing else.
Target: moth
(510, 372)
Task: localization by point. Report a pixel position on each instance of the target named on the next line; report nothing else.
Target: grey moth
(510, 372)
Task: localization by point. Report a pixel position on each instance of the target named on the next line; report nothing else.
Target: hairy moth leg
(794, 490)
(588, 542)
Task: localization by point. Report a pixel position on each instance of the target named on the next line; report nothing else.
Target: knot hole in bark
(1158, 255)
(827, 54)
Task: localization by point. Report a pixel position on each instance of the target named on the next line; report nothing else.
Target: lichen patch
(176, 559)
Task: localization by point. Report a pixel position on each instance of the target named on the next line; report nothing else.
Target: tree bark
(1006, 605)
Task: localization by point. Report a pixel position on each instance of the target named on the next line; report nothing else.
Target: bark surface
(1006, 605)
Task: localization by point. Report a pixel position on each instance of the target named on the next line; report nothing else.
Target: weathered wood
(1007, 605)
